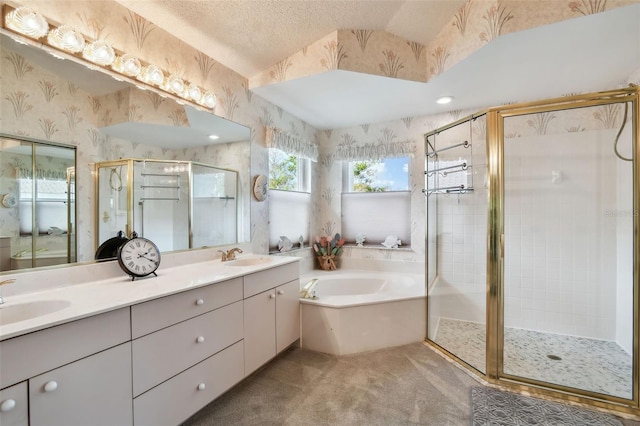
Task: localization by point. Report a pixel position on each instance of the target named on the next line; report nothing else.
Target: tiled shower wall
(568, 228)
(459, 290)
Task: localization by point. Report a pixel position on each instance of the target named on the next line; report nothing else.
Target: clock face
(139, 257)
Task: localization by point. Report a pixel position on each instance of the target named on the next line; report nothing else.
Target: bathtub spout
(308, 291)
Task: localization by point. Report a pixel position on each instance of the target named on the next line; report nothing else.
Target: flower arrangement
(326, 249)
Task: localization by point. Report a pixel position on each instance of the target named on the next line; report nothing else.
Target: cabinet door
(14, 409)
(287, 314)
(92, 391)
(259, 330)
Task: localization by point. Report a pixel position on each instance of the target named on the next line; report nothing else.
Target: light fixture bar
(27, 22)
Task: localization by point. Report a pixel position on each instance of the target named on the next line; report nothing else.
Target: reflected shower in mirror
(65, 102)
(37, 215)
(178, 205)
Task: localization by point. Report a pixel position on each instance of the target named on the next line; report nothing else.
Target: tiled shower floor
(589, 364)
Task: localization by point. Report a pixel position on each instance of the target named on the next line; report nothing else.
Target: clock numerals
(139, 257)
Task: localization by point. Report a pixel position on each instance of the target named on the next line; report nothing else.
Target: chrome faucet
(3, 283)
(230, 254)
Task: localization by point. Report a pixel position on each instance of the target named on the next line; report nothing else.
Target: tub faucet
(3, 283)
(230, 254)
(308, 291)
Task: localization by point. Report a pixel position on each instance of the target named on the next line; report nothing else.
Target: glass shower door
(456, 240)
(568, 249)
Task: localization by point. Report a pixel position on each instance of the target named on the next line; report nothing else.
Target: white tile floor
(589, 364)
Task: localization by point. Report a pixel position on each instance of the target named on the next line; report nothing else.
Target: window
(389, 174)
(51, 201)
(376, 200)
(288, 172)
(289, 198)
(290, 159)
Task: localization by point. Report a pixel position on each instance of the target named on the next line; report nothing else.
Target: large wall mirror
(68, 106)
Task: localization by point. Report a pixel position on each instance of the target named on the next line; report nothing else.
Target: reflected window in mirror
(289, 200)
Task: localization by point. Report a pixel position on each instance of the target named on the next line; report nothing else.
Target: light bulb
(67, 39)
(151, 74)
(194, 92)
(208, 100)
(27, 21)
(99, 52)
(175, 85)
(127, 64)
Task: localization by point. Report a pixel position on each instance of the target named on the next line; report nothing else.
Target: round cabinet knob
(200, 339)
(272, 296)
(280, 292)
(201, 386)
(50, 386)
(7, 405)
(200, 302)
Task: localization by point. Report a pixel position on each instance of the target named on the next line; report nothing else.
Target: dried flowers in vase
(326, 249)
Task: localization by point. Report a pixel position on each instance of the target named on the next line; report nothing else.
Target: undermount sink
(250, 261)
(11, 313)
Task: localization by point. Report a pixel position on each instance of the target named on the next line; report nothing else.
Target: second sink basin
(250, 261)
(24, 311)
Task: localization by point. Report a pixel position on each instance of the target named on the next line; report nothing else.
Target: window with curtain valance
(292, 145)
(289, 180)
(376, 200)
(377, 151)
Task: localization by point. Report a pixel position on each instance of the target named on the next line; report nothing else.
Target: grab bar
(464, 144)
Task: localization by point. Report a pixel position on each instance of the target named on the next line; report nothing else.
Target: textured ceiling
(249, 36)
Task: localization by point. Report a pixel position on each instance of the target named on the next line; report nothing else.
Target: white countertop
(95, 297)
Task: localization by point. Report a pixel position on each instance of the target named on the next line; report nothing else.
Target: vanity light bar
(27, 22)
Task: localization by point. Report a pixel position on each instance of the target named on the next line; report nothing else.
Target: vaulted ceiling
(249, 36)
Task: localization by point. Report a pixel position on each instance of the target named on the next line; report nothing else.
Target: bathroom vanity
(148, 352)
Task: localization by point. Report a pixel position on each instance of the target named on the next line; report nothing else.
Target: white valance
(25, 173)
(377, 151)
(291, 144)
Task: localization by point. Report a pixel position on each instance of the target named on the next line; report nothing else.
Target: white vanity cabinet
(150, 363)
(92, 391)
(14, 405)
(271, 314)
(191, 353)
(78, 373)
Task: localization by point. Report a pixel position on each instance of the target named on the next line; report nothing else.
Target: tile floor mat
(495, 407)
(589, 364)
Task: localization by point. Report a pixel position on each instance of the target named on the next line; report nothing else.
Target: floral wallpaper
(367, 51)
(477, 23)
(76, 116)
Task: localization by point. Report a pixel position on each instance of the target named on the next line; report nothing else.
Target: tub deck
(359, 311)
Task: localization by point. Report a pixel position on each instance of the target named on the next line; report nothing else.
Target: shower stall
(533, 241)
(177, 204)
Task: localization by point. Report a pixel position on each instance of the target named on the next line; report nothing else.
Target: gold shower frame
(495, 250)
(129, 162)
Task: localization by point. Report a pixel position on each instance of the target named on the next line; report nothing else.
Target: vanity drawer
(182, 396)
(14, 408)
(155, 314)
(270, 278)
(161, 355)
(34, 353)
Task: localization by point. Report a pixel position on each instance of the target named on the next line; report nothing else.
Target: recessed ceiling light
(214, 137)
(444, 100)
